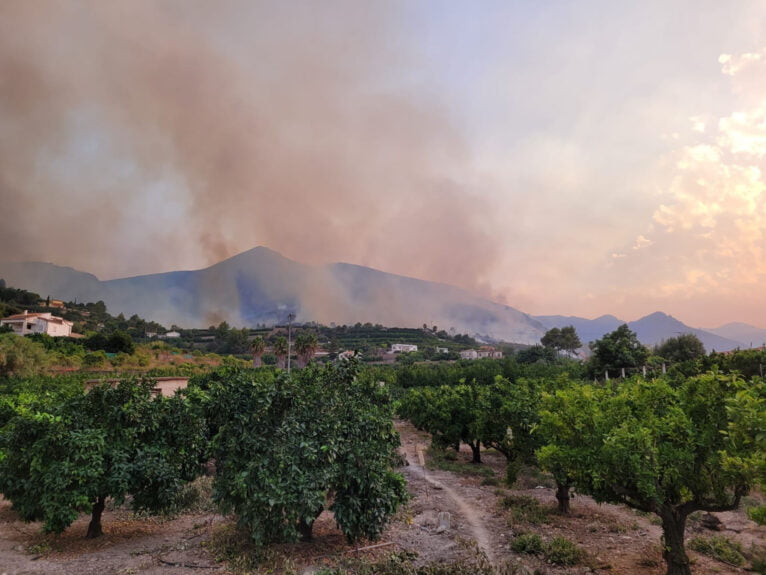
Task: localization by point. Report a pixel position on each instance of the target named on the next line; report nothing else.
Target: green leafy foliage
(617, 350)
(564, 339)
(721, 548)
(525, 509)
(528, 543)
(284, 444)
(110, 442)
(660, 448)
(500, 415)
(562, 551)
(20, 356)
(306, 345)
(116, 342)
(685, 347)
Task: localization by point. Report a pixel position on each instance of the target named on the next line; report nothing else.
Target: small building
(403, 347)
(28, 323)
(441, 349)
(487, 351)
(171, 335)
(481, 353)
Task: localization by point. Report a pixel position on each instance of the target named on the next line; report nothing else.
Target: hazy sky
(574, 158)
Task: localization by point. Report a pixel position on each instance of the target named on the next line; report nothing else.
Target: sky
(574, 158)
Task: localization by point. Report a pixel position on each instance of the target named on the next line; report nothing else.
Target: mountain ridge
(260, 286)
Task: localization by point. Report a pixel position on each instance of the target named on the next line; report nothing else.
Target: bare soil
(616, 540)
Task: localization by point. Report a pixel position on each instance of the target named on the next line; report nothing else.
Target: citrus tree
(452, 414)
(112, 441)
(665, 449)
(289, 445)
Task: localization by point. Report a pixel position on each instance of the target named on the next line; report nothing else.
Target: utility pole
(290, 318)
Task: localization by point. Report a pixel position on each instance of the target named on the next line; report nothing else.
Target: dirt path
(472, 516)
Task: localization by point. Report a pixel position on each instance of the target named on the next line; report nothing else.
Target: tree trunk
(306, 525)
(562, 496)
(674, 553)
(94, 527)
(476, 449)
(256, 361)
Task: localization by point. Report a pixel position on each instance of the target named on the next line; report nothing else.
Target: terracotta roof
(23, 316)
(27, 316)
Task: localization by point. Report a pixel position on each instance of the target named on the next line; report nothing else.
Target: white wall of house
(481, 354)
(403, 347)
(27, 323)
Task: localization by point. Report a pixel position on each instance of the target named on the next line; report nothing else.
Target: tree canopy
(619, 349)
(564, 339)
(109, 442)
(656, 447)
(286, 442)
(685, 347)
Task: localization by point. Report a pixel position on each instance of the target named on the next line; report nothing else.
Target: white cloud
(642, 242)
(713, 216)
(732, 65)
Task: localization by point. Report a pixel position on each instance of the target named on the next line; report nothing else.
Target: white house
(481, 353)
(487, 351)
(403, 347)
(441, 349)
(27, 323)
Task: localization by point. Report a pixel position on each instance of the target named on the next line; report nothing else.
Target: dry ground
(617, 540)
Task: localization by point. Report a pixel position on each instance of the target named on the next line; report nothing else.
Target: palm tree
(280, 350)
(306, 346)
(257, 348)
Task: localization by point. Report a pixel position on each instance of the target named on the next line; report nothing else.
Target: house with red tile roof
(27, 323)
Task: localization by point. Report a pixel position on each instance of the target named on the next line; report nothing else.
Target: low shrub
(720, 548)
(561, 551)
(529, 543)
(525, 509)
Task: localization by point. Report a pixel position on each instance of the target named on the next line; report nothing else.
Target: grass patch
(529, 477)
(449, 460)
(719, 548)
(403, 563)
(757, 514)
(525, 509)
(528, 543)
(232, 545)
(561, 551)
(757, 557)
(558, 551)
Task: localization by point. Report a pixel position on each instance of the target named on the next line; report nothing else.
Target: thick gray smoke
(148, 135)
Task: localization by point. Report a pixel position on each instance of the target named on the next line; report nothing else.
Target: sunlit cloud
(710, 228)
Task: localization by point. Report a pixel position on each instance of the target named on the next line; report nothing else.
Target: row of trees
(63, 458)
(306, 346)
(284, 445)
(669, 446)
(620, 352)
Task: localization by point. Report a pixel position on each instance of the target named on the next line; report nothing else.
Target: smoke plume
(146, 136)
